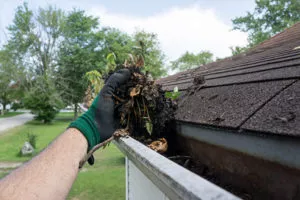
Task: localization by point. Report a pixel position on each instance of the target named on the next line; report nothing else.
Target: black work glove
(100, 121)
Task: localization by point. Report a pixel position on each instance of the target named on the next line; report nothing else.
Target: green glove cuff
(86, 125)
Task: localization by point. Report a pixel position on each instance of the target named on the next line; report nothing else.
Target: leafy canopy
(33, 41)
(147, 45)
(77, 55)
(268, 18)
(190, 60)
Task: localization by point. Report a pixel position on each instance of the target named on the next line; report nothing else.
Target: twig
(179, 157)
(118, 98)
(144, 105)
(186, 163)
(95, 148)
(117, 134)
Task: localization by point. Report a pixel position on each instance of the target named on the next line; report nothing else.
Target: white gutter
(149, 175)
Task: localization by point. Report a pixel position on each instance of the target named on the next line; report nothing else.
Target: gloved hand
(100, 121)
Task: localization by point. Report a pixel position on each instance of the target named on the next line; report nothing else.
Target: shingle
(228, 105)
(276, 63)
(237, 87)
(281, 115)
(265, 73)
(273, 74)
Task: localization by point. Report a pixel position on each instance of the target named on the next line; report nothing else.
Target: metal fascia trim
(175, 181)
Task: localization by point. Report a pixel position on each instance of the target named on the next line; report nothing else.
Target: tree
(8, 81)
(191, 60)
(238, 50)
(147, 45)
(77, 56)
(116, 42)
(43, 100)
(34, 41)
(141, 43)
(268, 18)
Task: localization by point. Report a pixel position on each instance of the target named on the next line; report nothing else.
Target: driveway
(11, 122)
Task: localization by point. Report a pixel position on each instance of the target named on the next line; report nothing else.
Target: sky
(180, 25)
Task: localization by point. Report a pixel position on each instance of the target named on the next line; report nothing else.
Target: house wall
(139, 186)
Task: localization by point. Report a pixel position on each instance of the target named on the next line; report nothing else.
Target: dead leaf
(140, 61)
(160, 145)
(135, 91)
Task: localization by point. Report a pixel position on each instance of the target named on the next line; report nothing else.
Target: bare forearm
(49, 175)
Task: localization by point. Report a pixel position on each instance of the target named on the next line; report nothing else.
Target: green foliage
(173, 95)
(114, 41)
(9, 79)
(238, 50)
(148, 125)
(54, 51)
(33, 41)
(111, 62)
(77, 56)
(32, 139)
(268, 18)
(148, 46)
(43, 100)
(15, 106)
(34, 38)
(190, 60)
(95, 78)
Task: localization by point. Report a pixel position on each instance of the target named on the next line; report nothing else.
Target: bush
(43, 100)
(32, 139)
(15, 106)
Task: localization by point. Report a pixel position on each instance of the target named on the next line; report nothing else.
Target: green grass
(12, 140)
(10, 114)
(104, 180)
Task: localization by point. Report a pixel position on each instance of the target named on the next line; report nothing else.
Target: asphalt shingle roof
(258, 90)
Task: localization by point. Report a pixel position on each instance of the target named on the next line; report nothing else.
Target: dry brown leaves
(160, 145)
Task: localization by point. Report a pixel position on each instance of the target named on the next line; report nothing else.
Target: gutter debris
(142, 107)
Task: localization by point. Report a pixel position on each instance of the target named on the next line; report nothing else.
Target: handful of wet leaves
(142, 107)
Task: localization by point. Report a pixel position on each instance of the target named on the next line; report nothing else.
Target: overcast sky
(181, 25)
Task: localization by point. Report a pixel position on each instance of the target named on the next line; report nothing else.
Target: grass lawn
(12, 141)
(10, 114)
(104, 180)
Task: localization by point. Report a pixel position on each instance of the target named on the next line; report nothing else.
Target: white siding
(139, 187)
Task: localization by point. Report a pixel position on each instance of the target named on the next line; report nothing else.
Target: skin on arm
(50, 174)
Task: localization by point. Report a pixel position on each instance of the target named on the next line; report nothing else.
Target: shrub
(43, 100)
(32, 139)
(15, 106)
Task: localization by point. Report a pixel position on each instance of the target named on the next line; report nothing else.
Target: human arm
(49, 175)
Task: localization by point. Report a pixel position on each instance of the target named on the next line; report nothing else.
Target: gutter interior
(251, 166)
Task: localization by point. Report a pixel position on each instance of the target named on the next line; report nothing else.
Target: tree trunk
(4, 107)
(75, 111)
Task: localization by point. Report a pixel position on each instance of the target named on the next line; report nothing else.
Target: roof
(256, 91)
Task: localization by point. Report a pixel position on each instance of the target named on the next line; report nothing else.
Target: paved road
(11, 122)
